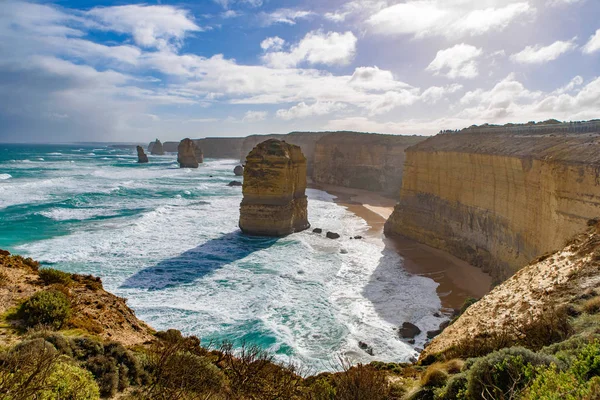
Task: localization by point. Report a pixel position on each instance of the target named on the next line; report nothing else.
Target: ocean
(167, 240)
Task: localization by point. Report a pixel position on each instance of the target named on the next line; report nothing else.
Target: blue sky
(123, 71)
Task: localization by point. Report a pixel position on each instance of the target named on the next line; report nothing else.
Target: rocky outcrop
(306, 140)
(529, 297)
(187, 154)
(142, 157)
(199, 154)
(361, 160)
(499, 197)
(238, 170)
(156, 148)
(274, 202)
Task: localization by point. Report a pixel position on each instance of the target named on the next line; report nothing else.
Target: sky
(124, 71)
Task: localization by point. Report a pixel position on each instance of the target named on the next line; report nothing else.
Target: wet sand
(457, 279)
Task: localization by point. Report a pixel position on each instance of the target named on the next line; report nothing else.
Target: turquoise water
(167, 239)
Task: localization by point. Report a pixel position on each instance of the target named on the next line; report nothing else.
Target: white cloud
(255, 116)
(541, 54)
(151, 26)
(316, 47)
(563, 2)
(303, 110)
(593, 45)
(229, 3)
(274, 43)
(459, 61)
(375, 79)
(436, 93)
(285, 16)
(574, 83)
(421, 18)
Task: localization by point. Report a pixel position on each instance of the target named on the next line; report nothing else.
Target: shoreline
(457, 280)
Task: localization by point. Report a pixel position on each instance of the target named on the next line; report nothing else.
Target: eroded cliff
(500, 197)
(530, 298)
(274, 202)
(221, 147)
(366, 161)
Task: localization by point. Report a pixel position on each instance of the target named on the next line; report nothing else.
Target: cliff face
(306, 140)
(221, 147)
(274, 202)
(361, 160)
(499, 198)
(529, 296)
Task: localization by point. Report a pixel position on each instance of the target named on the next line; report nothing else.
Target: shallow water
(167, 239)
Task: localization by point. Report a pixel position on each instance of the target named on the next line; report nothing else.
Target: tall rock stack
(186, 154)
(156, 148)
(142, 157)
(275, 202)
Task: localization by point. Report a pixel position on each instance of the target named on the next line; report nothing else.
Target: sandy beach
(457, 279)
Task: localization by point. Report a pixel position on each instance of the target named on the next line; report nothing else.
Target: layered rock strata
(361, 160)
(305, 140)
(499, 197)
(156, 148)
(274, 202)
(142, 157)
(187, 154)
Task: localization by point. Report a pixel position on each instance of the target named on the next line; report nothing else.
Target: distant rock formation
(142, 157)
(187, 153)
(156, 148)
(199, 153)
(238, 171)
(275, 202)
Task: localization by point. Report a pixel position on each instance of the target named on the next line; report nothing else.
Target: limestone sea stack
(274, 202)
(156, 148)
(186, 154)
(238, 171)
(142, 157)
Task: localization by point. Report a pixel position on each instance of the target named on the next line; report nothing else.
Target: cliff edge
(500, 197)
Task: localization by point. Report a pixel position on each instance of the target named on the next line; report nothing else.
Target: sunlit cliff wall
(500, 197)
(362, 160)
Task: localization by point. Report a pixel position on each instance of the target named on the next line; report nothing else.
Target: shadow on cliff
(198, 262)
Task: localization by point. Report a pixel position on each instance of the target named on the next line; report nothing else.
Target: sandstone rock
(156, 148)
(234, 183)
(4, 252)
(500, 197)
(317, 230)
(408, 330)
(238, 171)
(199, 154)
(275, 203)
(221, 147)
(142, 157)
(186, 154)
(332, 235)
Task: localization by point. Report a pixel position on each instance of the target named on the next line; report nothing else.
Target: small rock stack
(275, 203)
(142, 157)
(188, 154)
(156, 148)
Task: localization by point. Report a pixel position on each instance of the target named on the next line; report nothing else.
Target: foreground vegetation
(51, 353)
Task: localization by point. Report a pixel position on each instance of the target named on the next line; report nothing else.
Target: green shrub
(455, 389)
(553, 384)
(70, 382)
(51, 276)
(504, 373)
(106, 374)
(26, 368)
(47, 307)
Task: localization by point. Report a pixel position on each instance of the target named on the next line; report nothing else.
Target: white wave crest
(5, 176)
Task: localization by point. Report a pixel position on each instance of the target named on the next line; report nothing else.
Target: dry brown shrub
(592, 306)
(360, 382)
